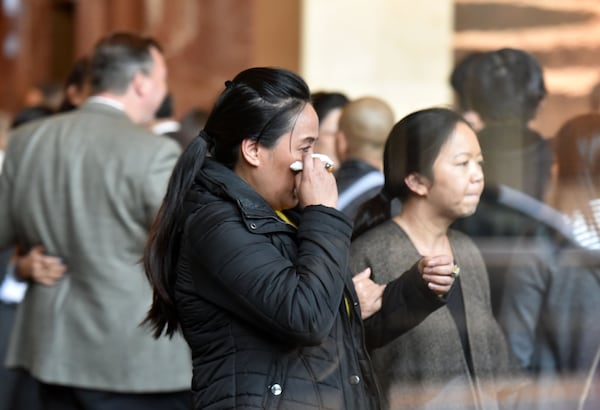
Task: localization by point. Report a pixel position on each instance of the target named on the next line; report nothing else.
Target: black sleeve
(407, 301)
(246, 275)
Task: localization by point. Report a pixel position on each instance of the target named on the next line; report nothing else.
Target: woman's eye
(305, 149)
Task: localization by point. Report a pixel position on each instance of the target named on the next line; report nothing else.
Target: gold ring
(455, 271)
(329, 167)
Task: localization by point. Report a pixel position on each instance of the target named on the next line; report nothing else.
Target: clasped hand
(40, 268)
(436, 271)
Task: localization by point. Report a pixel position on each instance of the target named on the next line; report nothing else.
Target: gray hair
(117, 58)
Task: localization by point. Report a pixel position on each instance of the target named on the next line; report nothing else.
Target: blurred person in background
(576, 181)
(328, 106)
(505, 88)
(28, 114)
(459, 78)
(550, 304)
(363, 129)
(77, 85)
(86, 185)
(48, 94)
(18, 390)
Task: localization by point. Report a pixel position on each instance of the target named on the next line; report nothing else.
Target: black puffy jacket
(270, 311)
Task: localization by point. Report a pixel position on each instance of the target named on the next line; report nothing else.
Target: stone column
(398, 50)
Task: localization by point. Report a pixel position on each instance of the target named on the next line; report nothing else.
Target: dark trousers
(70, 398)
(7, 316)
(18, 390)
(23, 392)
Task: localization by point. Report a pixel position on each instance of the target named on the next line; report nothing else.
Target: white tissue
(297, 165)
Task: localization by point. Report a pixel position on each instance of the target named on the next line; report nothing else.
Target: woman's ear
(249, 150)
(417, 184)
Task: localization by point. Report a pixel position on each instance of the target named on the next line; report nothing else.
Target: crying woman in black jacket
(248, 258)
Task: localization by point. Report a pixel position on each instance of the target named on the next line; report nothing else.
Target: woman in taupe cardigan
(457, 358)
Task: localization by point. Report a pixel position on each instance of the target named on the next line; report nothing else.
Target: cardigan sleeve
(407, 300)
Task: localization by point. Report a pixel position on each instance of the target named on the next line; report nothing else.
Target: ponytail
(162, 248)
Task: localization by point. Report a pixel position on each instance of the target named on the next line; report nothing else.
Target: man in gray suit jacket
(87, 185)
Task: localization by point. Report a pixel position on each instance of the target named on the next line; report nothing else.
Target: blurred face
(327, 135)
(156, 87)
(275, 181)
(457, 175)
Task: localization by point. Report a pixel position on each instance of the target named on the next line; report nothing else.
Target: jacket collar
(111, 102)
(224, 183)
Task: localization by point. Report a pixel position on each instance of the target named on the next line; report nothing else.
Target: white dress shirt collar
(107, 101)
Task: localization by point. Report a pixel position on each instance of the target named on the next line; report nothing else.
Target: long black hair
(412, 147)
(259, 103)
